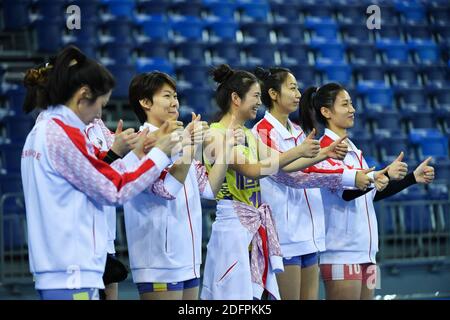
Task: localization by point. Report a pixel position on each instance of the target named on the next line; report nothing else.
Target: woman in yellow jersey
(231, 271)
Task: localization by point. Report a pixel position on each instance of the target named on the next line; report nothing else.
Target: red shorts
(366, 272)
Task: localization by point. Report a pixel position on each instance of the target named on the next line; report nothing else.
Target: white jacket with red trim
(298, 213)
(164, 227)
(351, 226)
(103, 139)
(66, 186)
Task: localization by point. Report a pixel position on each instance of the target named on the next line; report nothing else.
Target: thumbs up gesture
(381, 180)
(424, 173)
(397, 170)
(310, 147)
(337, 150)
(362, 179)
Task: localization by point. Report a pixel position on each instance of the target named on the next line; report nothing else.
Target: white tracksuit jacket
(103, 139)
(298, 213)
(351, 226)
(164, 227)
(66, 186)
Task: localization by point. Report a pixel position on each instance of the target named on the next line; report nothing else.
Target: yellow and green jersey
(236, 186)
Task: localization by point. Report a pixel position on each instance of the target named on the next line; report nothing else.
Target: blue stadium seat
(121, 8)
(394, 51)
(370, 73)
(442, 100)
(352, 13)
(329, 49)
(442, 34)
(197, 75)
(120, 52)
(412, 99)
(389, 119)
(416, 218)
(442, 170)
(120, 28)
(188, 28)
(226, 52)
(187, 7)
(436, 76)
(263, 52)
(221, 8)
(356, 33)
(389, 31)
(155, 26)
(256, 31)
(391, 142)
(15, 14)
(317, 8)
(123, 73)
(199, 98)
(253, 10)
(422, 31)
(378, 96)
(152, 64)
(193, 51)
(411, 11)
(294, 53)
(10, 155)
(51, 9)
(334, 71)
(431, 142)
(323, 27)
(386, 219)
(222, 29)
(156, 49)
(49, 34)
(285, 10)
(389, 14)
(306, 75)
(426, 51)
(18, 127)
(151, 7)
(439, 15)
(89, 9)
(404, 76)
(15, 97)
(289, 32)
(363, 54)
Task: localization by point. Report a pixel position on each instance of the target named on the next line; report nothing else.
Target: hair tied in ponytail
(262, 74)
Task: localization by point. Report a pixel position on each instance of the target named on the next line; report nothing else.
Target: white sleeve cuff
(276, 263)
(131, 160)
(371, 175)
(172, 185)
(160, 159)
(349, 178)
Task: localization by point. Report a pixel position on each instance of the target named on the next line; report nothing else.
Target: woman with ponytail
(65, 180)
(242, 219)
(348, 265)
(297, 207)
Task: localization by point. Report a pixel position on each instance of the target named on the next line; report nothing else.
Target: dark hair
(144, 86)
(272, 78)
(312, 100)
(230, 81)
(56, 82)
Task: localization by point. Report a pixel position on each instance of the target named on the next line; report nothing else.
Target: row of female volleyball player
(287, 204)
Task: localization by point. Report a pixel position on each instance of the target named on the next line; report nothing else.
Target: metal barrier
(14, 266)
(416, 230)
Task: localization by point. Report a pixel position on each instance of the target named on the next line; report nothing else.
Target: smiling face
(250, 104)
(342, 115)
(164, 107)
(288, 98)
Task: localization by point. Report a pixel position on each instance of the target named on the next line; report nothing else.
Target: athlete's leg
(289, 281)
(112, 291)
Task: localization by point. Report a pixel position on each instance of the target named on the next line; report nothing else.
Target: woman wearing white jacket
(65, 181)
(348, 266)
(297, 209)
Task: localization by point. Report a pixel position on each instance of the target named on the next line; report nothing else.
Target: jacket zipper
(190, 226)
